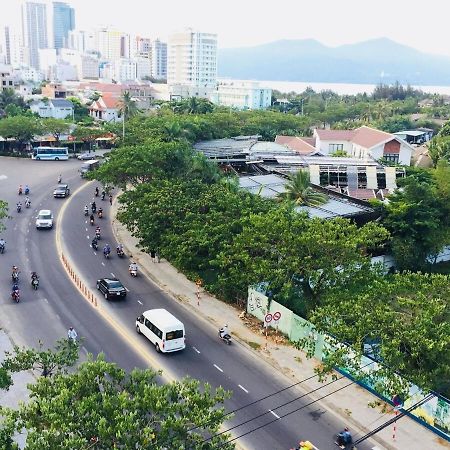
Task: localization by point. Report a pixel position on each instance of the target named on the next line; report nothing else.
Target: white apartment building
(26, 73)
(242, 95)
(47, 59)
(143, 67)
(113, 44)
(83, 41)
(34, 29)
(87, 65)
(14, 51)
(158, 53)
(192, 60)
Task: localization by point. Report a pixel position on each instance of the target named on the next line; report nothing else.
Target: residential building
(158, 55)
(47, 61)
(192, 62)
(57, 108)
(27, 73)
(416, 137)
(63, 22)
(7, 78)
(15, 52)
(34, 29)
(141, 45)
(87, 65)
(143, 67)
(113, 44)
(54, 90)
(242, 95)
(83, 41)
(106, 108)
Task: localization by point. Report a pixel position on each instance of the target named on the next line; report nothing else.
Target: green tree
(55, 127)
(87, 134)
(406, 315)
(439, 148)
(81, 111)
(9, 97)
(127, 109)
(101, 406)
(21, 128)
(415, 217)
(299, 190)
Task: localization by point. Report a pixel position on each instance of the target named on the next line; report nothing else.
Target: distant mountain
(308, 60)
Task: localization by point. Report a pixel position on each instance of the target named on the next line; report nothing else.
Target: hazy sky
(423, 25)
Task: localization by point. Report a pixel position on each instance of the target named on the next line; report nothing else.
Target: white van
(162, 329)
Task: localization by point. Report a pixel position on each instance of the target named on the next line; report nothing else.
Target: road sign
(268, 318)
(276, 316)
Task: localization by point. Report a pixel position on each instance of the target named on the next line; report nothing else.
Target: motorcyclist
(15, 292)
(2, 245)
(20, 189)
(27, 202)
(94, 243)
(34, 278)
(97, 233)
(133, 267)
(100, 212)
(27, 189)
(93, 207)
(344, 438)
(224, 331)
(96, 191)
(72, 334)
(59, 179)
(86, 210)
(119, 249)
(106, 249)
(92, 219)
(19, 206)
(103, 194)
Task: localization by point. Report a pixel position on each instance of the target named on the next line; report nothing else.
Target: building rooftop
(302, 145)
(61, 103)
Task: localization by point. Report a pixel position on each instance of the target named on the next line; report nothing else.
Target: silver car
(44, 219)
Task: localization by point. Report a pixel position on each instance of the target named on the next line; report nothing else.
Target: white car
(44, 219)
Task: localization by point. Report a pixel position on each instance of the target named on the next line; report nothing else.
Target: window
(177, 334)
(335, 147)
(391, 157)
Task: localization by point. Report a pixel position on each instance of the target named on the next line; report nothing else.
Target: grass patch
(254, 345)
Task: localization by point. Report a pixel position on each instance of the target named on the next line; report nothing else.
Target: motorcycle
(27, 190)
(120, 252)
(100, 214)
(92, 222)
(86, 212)
(133, 272)
(19, 208)
(15, 277)
(93, 209)
(35, 283)
(94, 245)
(225, 337)
(15, 295)
(2, 247)
(20, 191)
(106, 253)
(27, 204)
(343, 441)
(103, 195)
(98, 234)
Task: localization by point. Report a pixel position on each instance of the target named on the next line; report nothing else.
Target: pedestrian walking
(110, 199)
(153, 255)
(157, 256)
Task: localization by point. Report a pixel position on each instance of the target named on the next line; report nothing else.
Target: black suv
(61, 191)
(111, 288)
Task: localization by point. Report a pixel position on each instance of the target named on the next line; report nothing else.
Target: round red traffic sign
(268, 318)
(276, 316)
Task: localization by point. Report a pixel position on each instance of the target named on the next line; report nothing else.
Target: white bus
(51, 153)
(162, 329)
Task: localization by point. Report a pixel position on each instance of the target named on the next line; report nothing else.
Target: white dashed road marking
(127, 289)
(198, 351)
(113, 275)
(138, 301)
(103, 263)
(218, 368)
(276, 415)
(243, 388)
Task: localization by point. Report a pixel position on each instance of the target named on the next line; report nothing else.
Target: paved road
(47, 313)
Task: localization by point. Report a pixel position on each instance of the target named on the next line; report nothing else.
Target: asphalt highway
(110, 327)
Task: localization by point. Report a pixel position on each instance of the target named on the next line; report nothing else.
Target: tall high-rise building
(113, 44)
(7, 49)
(63, 22)
(192, 59)
(34, 30)
(158, 54)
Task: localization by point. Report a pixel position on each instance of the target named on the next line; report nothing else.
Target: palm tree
(127, 109)
(299, 191)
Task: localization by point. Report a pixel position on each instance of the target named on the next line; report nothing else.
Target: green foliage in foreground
(101, 406)
(408, 314)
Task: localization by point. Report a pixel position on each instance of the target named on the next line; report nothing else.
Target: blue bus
(50, 153)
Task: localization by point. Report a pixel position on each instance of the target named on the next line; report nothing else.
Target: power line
(278, 418)
(394, 419)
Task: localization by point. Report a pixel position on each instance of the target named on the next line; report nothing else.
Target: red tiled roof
(298, 144)
(104, 87)
(361, 194)
(369, 137)
(335, 135)
(110, 101)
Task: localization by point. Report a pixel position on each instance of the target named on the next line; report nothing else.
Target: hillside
(308, 60)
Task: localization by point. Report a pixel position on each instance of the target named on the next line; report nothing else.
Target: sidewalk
(350, 404)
